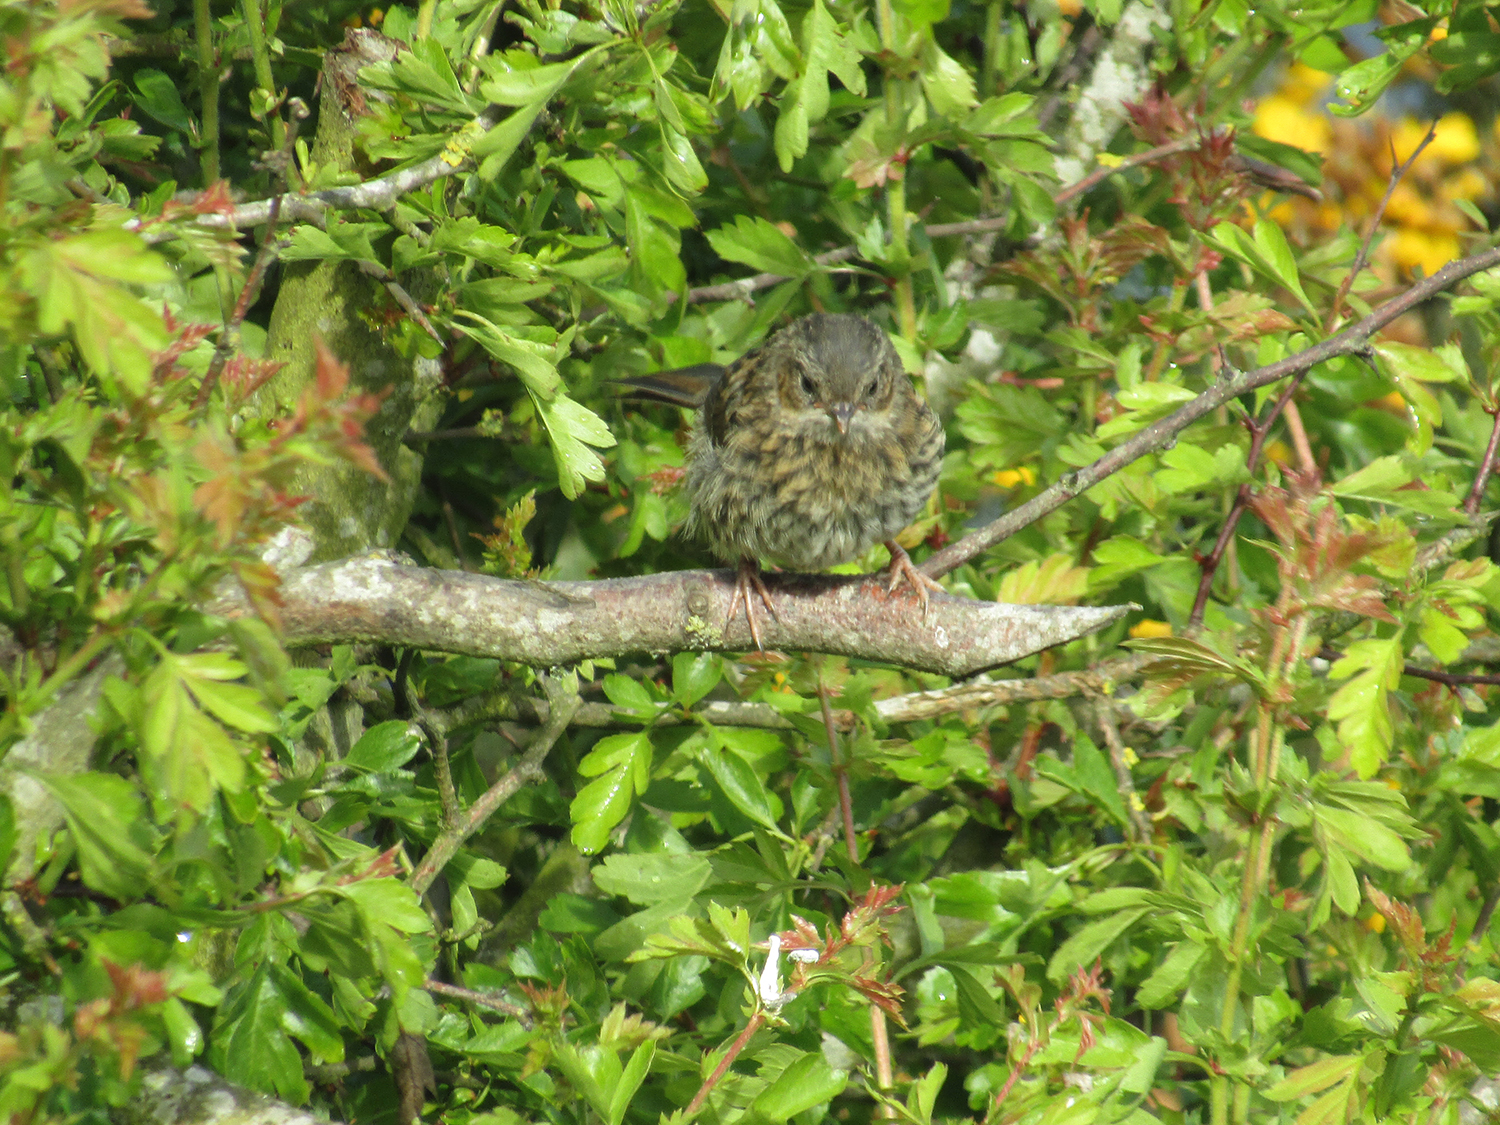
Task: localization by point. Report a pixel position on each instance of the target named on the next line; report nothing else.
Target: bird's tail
(683, 386)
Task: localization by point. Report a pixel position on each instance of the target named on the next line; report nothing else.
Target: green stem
(895, 189)
(260, 55)
(208, 91)
(906, 306)
(424, 18)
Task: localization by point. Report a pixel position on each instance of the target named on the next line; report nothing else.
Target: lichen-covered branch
(374, 598)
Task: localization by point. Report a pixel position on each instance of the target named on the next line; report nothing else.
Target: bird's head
(836, 367)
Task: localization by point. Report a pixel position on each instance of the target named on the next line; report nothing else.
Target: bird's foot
(902, 570)
(746, 578)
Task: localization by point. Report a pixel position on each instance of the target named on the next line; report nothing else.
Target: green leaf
(307, 1017)
(157, 94)
(921, 1100)
(534, 362)
(694, 675)
(249, 1044)
(1364, 837)
(79, 280)
(1170, 977)
(1365, 81)
(385, 747)
(622, 764)
(680, 162)
(947, 84)
(1090, 941)
(740, 783)
(573, 429)
(631, 1077)
(105, 817)
(526, 87)
(650, 878)
(1267, 252)
(1097, 778)
(1424, 365)
(1343, 885)
(7, 831)
(976, 1007)
(1319, 1076)
(761, 246)
(389, 902)
(1361, 707)
(500, 143)
(807, 1082)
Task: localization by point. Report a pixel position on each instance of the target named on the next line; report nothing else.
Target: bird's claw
(746, 577)
(902, 570)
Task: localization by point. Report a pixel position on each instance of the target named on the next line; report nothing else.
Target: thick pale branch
(372, 598)
(1352, 341)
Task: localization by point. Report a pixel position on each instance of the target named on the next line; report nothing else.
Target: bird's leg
(901, 568)
(747, 576)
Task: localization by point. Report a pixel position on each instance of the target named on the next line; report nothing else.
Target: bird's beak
(841, 412)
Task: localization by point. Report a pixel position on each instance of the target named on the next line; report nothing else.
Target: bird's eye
(807, 387)
(872, 388)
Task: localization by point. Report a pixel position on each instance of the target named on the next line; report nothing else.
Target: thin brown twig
(1354, 340)
(407, 302)
(1398, 173)
(229, 338)
(1294, 426)
(1104, 713)
(840, 773)
(483, 999)
(563, 702)
(1171, 148)
(437, 744)
(1451, 679)
(730, 1055)
(1486, 912)
(1486, 467)
(1209, 565)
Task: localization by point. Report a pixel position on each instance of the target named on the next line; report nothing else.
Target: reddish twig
(229, 339)
(1450, 679)
(729, 1056)
(1171, 148)
(840, 772)
(1486, 467)
(1354, 340)
(1259, 431)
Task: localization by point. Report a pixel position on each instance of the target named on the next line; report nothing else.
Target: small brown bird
(806, 451)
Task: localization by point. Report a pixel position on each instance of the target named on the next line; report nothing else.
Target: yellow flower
(1410, 248)
(1148, 628)
(1278, 451)
(1303, 83)
(1375, 923)
(1009, 478)
(1281, 118)
(1454, 140)
(1466, 183)
(1407, 208)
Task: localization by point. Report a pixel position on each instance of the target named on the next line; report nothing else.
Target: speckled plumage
(807, 451)
(770, 476)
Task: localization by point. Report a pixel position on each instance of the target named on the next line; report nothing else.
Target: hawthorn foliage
(1248, 871)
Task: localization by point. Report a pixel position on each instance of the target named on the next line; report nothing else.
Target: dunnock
(806, 451)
